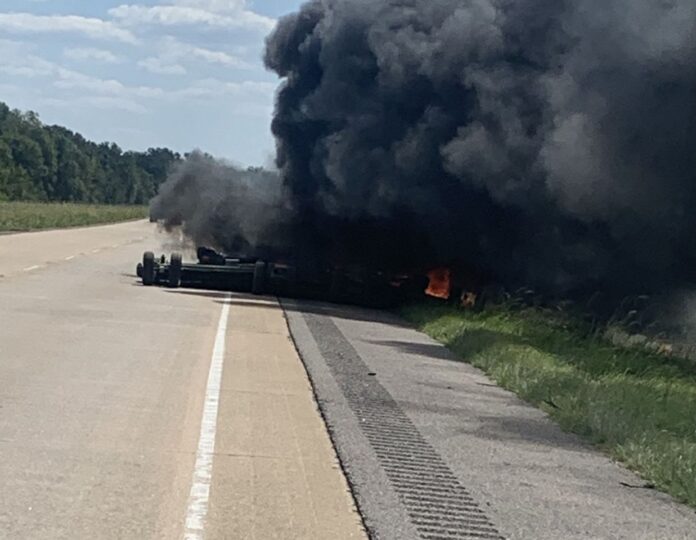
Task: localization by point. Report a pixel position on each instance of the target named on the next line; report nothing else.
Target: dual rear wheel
(175, 265)
(148, 270)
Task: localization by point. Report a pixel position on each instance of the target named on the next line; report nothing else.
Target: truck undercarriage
(213, 270)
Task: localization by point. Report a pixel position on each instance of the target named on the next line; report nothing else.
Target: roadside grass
(638, 406)
(30, 216)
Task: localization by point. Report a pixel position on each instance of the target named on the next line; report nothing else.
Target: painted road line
(199, 495)
(96, 250)
(70, 258)
(31, 268)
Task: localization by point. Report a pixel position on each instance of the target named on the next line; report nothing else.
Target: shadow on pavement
(311, 307)
(533, 431)
(429, 350)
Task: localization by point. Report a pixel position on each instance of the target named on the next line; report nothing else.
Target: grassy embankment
(29, 216)
(638, 406)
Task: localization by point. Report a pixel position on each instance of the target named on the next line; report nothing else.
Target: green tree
(52, 163)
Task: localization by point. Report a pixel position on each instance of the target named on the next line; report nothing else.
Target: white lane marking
(116, 245)
(30, 268)
(96, 250)
(199, 495)
(70, 258)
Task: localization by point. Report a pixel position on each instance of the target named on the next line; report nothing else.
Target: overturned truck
(216, 271)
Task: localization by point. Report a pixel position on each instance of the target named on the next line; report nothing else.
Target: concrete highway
(111, 416)
(139, 413)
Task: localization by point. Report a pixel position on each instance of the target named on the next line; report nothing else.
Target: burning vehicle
(476, 134)
(217, 271)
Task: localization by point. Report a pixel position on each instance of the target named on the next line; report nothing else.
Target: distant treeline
(51, 163)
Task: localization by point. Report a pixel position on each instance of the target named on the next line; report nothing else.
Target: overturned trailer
(213, 270)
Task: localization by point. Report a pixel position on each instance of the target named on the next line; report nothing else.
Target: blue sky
(178, 73)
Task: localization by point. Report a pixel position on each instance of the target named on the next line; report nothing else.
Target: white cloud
(68, 79)
(216, 57)
(234, 14)
(97, 102)
(118, 103)
(161, 66)
(28, 23)
(218, 6)
(207, 88)
(22, 63)
(174, 53)
(18, 61)
(91, 54)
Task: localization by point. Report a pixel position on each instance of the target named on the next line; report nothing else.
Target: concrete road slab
(29, 252)
(101, 384)
(276, 474)
(102, 388)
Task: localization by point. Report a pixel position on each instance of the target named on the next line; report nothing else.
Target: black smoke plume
(548, 142)
(220, 205)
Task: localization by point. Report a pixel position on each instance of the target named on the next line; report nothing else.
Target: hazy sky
(179, 73)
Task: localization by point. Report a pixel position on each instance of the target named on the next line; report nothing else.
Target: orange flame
(440, 283)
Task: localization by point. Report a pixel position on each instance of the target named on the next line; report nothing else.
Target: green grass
(638, 406)
(29, 216)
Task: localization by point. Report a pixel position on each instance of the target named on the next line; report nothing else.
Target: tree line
(52, 163)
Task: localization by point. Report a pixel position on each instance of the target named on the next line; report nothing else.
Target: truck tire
(148, 273)
(139, 270)
(258, 285)
(175, 265)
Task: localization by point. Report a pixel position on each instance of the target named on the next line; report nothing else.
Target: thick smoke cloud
(551, 142)
(220, 205)
(546, 142)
